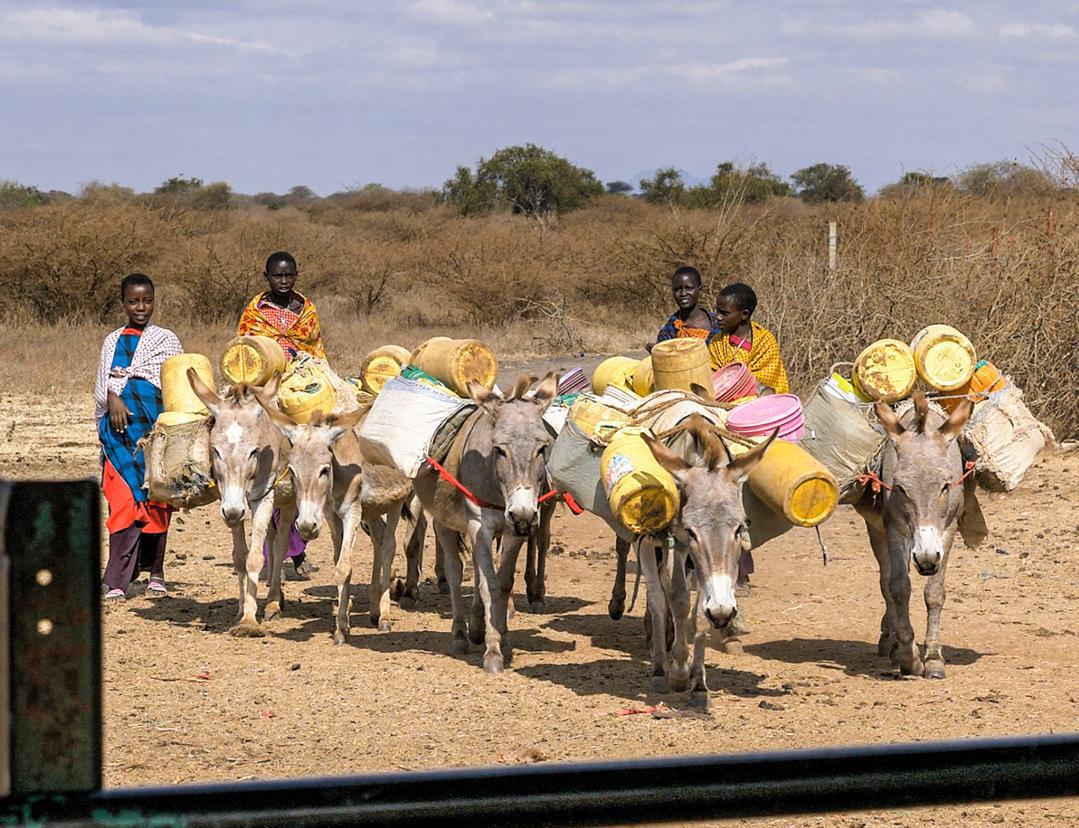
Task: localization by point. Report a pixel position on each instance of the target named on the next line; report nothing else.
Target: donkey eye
(217, 453)
(324, 471)
(254, 452)
(691, 534)
(542, 452)
(501, 452)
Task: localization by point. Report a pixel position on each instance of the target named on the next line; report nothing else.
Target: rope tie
(447, 476)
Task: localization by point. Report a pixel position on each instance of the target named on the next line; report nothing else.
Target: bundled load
(252, 360)
(681, 364)
(177, 450)
(381, 365)
(1002, 437)
(306, 390)
(456, 362)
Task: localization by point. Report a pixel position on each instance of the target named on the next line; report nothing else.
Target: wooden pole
(1049, 223)
(831, 245)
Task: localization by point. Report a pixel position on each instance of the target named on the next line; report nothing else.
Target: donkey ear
(524, 382)
(665, 457)
(484, 397)
(921, 407)
(888, 420)
(206, 394)
(547, 391)
(286, 425)
(272, 385)
(339, 425)
(957, 422)
(741, 467)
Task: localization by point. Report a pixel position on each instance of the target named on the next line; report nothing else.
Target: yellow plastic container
(644, 383)
(252, 360)
(617, 371)
(680, 364)
(643, 495)
(595, 420)
(943, 357)
(456, 362)
(382, 365)
(176, 392)
(885, 371)
(792, 483)
(305, 391)
(175, 418)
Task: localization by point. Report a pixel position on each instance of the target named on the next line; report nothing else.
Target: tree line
(533, 181)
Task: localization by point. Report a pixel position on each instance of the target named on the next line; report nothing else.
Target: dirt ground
(185, 702)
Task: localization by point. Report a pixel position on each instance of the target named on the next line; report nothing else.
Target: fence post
(831, 245)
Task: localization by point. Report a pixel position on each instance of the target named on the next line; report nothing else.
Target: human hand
(119, 416)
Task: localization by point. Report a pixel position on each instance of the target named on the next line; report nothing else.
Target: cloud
(937, 24)
(745, 71)
(106, 28)
(452, 12)
(1051, 31)
(712, 72)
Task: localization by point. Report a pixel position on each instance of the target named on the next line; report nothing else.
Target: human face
(730, 316)
(686, 291)
(281, 278)
(138, 304)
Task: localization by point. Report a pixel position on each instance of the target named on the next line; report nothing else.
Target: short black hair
(279, 256)
(132, 279)
(687, 270)
(743, 296)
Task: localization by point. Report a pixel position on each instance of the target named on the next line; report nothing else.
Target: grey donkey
(924, 498)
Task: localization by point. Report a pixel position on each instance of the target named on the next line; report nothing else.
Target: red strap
(445, 474)
(872, 479)
(968, 470)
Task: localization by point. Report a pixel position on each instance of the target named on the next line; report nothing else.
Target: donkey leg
(248, 625)
(410, 593)
(698, 687)
(539, 542)
(239, 566)
(377, 529)
(385, 551)
(507, 571)
(906, 652)
(447, 546)
(616, 608)
(278, 541)
(489, 588)
(678, 673)
(934, 603)
(343, 532)
(657, 614)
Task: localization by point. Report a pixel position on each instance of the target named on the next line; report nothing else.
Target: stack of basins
(573, 382)
(762, 416)
(733, 382)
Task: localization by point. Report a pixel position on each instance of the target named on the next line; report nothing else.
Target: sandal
(156, 588)
(115, 595)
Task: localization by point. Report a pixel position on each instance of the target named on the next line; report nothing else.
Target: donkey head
(921, 471)
(242, 443)
(711, 522)
(520, 444)
(311, 461)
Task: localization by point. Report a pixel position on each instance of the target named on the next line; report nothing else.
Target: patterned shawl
(675, 328)
(154, 346)
(764, 360)
(304, 333)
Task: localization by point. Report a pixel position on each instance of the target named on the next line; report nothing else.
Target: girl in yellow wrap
(743, 340)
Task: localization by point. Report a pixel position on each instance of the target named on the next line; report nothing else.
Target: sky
(331, 94)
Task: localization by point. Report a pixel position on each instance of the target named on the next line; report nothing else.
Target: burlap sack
(178, 468)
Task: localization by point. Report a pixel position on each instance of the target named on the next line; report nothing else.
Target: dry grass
(596, 281)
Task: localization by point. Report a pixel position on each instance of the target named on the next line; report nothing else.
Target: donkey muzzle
(720, 606)
(522, 510)
(928, 550)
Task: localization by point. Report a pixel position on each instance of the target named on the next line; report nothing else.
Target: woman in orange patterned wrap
(283, 313)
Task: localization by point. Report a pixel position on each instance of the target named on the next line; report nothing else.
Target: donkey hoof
(934, 669)
(340, 637)
(537, 607)
(374, 620)
(407, 602)
(492, 663)
(616, 609)
(397, 590)
(699, 699)
(659, 684)
(247, 629)
(477, 632)
(460, 646)
(273, 610)
(384, 625)
(733, 646)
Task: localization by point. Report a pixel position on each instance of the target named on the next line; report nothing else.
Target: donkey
(325, 464)
(500, 455)
(914, 518)
(700, 550)
(250, 458)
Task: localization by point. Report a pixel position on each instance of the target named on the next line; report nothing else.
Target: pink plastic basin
(732, 382)
(766, 414)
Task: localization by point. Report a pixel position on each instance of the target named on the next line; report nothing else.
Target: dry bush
(593, 280)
